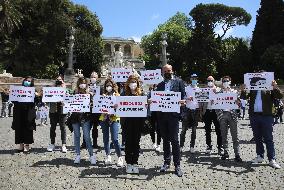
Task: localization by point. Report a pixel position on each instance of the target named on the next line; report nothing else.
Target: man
(261, 119)
(209, 116)
(228, 119)
(169, 122)
(192, 114)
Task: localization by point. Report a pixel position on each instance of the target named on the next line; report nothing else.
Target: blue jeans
(262, 131)
(86, 126)
(114, 129)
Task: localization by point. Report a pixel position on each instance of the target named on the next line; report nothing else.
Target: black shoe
(164, 168)
(225, 156)
(238, 159)
(96, 146)
(178, 171)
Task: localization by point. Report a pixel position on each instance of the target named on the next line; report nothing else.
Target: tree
(269, 29)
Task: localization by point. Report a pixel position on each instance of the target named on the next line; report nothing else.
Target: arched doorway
(127, 50)
(116, 47)
(107, 49)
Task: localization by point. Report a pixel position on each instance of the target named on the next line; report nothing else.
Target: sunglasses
(226, 81)
(209, 80)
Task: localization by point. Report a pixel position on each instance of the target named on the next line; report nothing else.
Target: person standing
(24, 115)
(228, 119)
(57, 117)
(169, 122)
(261, 120)
(5, 102)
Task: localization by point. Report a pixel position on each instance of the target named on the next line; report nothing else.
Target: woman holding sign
(110, 122)
(83, 120)
(24, 120)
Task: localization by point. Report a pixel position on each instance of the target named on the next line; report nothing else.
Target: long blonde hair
(138, 90)
(82, 80)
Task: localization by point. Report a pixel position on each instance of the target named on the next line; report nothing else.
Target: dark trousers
(190, 120)
(24, 135)
(263, 131)
(132, 130)
(56, 118)
(169, 128)
(122, 124)
(209, 118)
(155, 129)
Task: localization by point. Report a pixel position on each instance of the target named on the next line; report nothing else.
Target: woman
(24, 114)
(133, 127)
(79, 120)
(57, 117)
(111, 123)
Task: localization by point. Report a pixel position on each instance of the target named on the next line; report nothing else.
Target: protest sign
(53, 94)
(151, 76)
(76, 103)
(165, 101)
(225, 101)
(104, 104)
(22, 94)
(120, 74)
(131, 106)
(199, 94)
(259, 81)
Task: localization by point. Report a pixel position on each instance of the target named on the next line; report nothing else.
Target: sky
(136, 18)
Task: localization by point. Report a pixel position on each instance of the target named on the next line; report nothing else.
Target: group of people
(164, 124)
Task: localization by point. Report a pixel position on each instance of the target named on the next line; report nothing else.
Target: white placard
(131, 106)
(151, 76)
(76, 103)
(22, 94)
(104, 104)
(259, 81)
(165, 101)
(200, 94)
(96, 90)
(120, 74)
(53, 94)
(225, 101)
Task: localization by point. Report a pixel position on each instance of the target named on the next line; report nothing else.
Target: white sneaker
(77, 159)
(274, 164)
(257, 159)
(129, 169)
(108, 160)
(135, 170)
(154, 146)
(64, 149)
(191, 150)
(93, 160)
(158, 149)
(120, 162)
(51, 148)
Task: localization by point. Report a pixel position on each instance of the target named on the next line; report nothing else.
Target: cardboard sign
(225, 101)
(53, 94)
(120, 74)
(104, 104)
(165, 101)
(259, 81)
(22, 94)
(131, 106)
(76, 103)
(96, 90)
(151, 76)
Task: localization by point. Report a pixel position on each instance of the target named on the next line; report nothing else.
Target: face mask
(194, 82)
(210, 84)
(27, 83)
(82, 86)
(168, 76)
(58, 82)
(133, 86)
(108, 88)
(93, 80)
(226, 84)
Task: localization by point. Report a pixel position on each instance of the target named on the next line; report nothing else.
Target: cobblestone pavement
(55, 170)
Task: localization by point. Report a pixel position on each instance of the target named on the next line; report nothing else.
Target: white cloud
(220, 31)
(155, 16)
(136, 38)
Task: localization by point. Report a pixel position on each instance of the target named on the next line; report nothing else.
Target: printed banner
(76, 103)
(96, 90)
(53, 94)
(259, 81)
(225, 101)
(22, 94)
(131, 106)
(200, 94)
(104, 104)
(120, 74)
(151, 76)
(165, 101)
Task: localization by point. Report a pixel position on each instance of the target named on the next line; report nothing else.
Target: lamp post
(164, 49)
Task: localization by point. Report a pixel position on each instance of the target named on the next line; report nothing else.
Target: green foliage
(50, 72)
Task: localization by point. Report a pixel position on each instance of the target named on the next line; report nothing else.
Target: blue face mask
(27, 83)
(194, 82)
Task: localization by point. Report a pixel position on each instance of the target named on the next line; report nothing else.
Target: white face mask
(133, 86)
(226, 84)
(210, 84)
(93, 80)
(82, 86)
(108, 88)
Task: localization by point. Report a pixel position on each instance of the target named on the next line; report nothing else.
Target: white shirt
(258, 102)
(191, 104)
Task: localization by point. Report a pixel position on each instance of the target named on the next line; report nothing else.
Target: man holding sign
(169, 121)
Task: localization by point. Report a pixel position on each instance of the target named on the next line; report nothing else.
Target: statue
(118, 59)
(104, 71)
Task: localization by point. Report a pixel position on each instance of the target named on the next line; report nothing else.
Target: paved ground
(44, 170)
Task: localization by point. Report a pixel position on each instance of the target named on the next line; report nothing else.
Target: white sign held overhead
(151, 76)
(104, 104)
(22, 94)
(76, 103)
(131, 106)
(259, 81)
(53, 94)
(165, 101)
(120, 74)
